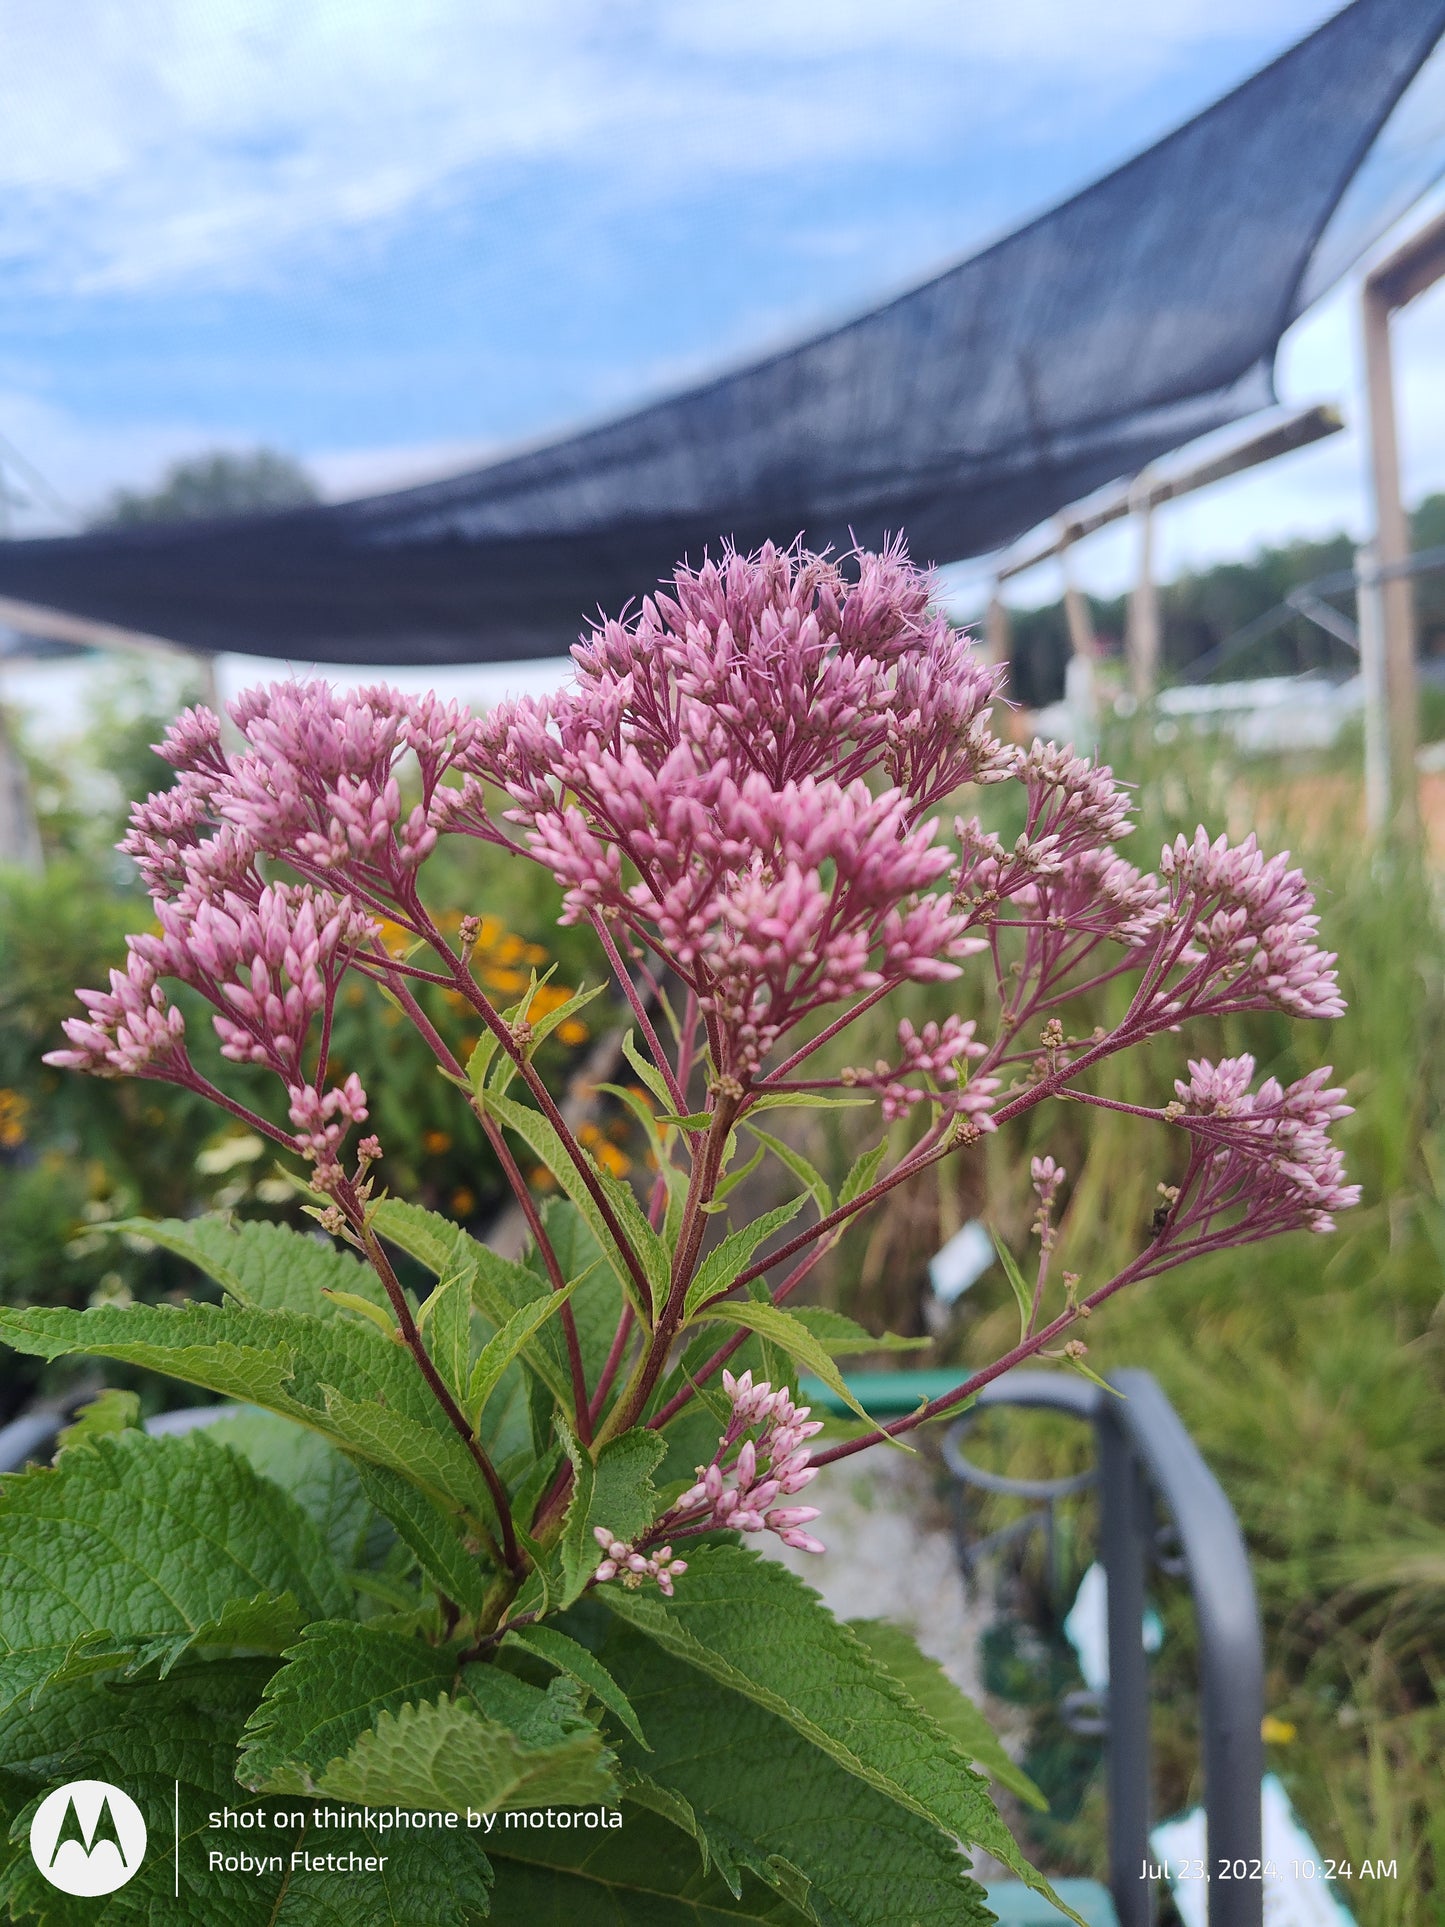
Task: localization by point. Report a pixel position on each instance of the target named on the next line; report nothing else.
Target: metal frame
(1146, 1456)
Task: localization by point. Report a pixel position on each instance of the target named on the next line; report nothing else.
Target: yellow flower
(463, 1201)
(435, 1143)
(1277, 1732)
(14, 1108)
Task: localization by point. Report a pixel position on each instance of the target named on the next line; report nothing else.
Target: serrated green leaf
(499, 1351)
(323, 1481)
(788, 1332)
(720, 1268)
(334, 1374)
(817, 1676)
(444, 1755)
(154, 1545)
(436, 1537)
(935, 1692)
(648, 1248)
(109, 1412)
(560, 1650)
(615, 1491)
(643, 1873)
(1023, 1294)
(862, 1174)
(848, 1849)
(268, 1267)
(333, 1686)
(445, 1320)
(842, 1337)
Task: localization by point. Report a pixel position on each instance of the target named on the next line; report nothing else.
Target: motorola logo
(88, 1837)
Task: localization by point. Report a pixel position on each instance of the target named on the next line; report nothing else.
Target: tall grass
(1308, 1370)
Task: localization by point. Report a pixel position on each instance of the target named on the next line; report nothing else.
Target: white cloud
(151, 142)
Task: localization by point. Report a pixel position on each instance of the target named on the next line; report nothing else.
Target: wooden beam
(1280, 437)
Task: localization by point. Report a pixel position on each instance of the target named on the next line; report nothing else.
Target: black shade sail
(1141, 313)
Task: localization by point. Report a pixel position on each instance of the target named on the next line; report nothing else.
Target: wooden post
(1368, 604)
(1143, 638)
(1395, 594)
(1414, 266)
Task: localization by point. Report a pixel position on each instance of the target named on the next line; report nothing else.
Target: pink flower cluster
(740, 1492)
(635, 1567)
(1251, 931)
(716, 751)
(933, 1069)
(315, 786)
(737, 1491)
(1266, 1154)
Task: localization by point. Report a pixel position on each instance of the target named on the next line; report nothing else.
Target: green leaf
(478, 1064)
(806, 1101)
(543, 1027)
(560, 1650)
(134, 1551)
(1084, 1371)
(499, 1351)
(506, 1070)
(936, 1693)
(787, 1331)
(808, 1823)
(332, 1688)
(323, 1481)
(537, 1132)
(1023, 1293)
(651, 1076)
(335, 1374)
(615, 1491)
(862, 1174)
(269, 1267)
(383, 1318)
(109, 1412)
(817, 1676)
(435, 1536)
(734, 1178)
(808, 1175)
(445, 1755)
(643, 1873)
(446, 1321)
(843, 1337)
(719, 1270)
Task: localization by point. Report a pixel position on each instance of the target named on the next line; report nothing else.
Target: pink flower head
(1263, 1159)
(718, 748)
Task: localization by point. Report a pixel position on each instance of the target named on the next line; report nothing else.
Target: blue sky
(393, 236)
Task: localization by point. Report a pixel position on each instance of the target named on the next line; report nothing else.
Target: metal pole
(1143, 640)
(1372, 680)
(1124, 1530)
(1392, 547)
